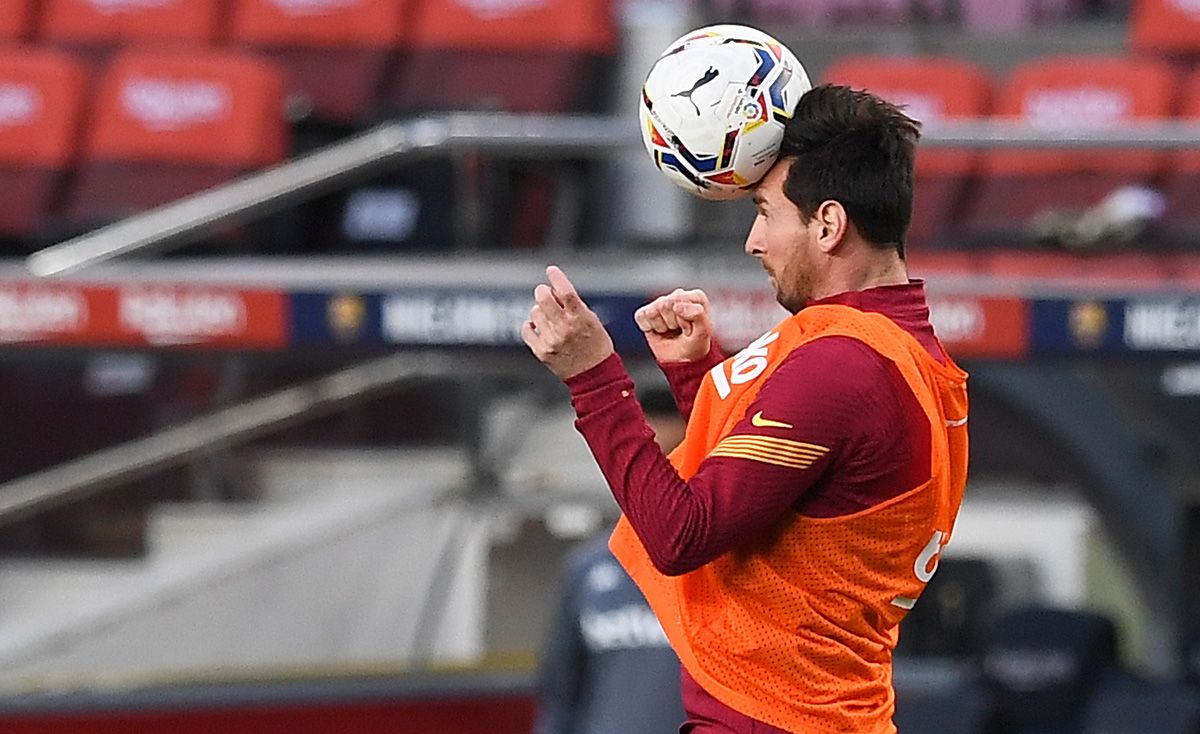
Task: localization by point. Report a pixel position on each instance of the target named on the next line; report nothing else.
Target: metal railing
(533, 136)
(338, 165)
(107, 468)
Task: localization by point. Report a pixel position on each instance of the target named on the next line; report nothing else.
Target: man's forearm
(676, 521)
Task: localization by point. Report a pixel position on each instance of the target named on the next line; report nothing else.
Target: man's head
(837, 203)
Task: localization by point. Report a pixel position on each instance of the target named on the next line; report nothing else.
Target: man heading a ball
(781, 544)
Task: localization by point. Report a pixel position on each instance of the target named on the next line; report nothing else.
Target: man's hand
(562, 332)
(677, 326)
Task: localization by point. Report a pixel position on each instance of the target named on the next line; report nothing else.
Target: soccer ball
(714, 106)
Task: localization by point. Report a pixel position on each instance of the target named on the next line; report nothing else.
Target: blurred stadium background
(274, 459)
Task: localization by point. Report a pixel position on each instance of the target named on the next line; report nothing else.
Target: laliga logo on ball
(714, 107)
(750, 109)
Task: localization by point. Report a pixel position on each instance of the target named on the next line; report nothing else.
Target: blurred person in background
(606, 666)
(823, 466)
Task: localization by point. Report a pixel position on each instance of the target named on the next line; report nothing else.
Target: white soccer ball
(714, 106)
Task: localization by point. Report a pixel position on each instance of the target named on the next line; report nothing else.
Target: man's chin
(781, 298)
(787, 303)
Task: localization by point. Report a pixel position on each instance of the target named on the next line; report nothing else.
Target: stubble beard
(793, 298)
(791, 304)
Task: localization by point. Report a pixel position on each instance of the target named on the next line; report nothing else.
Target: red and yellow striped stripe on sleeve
(770, 450)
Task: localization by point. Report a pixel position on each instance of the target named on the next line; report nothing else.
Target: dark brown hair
(852, 147)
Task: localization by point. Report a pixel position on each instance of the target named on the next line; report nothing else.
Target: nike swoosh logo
(758, 421)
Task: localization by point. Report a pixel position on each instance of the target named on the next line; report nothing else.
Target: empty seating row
(207, 115)
(1000, 194)
(77, 152)
(972, 15)
(340, 54)
(159, 125)
(423, 23)
(1161, 27)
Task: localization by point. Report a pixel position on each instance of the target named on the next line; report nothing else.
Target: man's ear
(833, 224)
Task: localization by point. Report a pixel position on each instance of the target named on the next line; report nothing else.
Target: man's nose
(753, 245)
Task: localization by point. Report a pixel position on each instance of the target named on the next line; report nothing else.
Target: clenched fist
(562, 332)
(677, 326)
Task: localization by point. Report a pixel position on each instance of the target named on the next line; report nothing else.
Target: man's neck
(873, 272)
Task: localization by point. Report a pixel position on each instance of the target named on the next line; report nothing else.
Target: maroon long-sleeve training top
(834, 392)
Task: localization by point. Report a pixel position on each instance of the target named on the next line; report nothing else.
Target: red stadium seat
(535, 57)
(930, 89)
(101, 25)
(168, 124)
(16, 19)
(1069, 93)
(334, 52)
(1165, 28)
(41, 101)
(518, 57)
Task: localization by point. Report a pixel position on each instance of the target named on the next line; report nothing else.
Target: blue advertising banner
(335, 319)
(1085, 326)
(488, 318)
(1161, 324)
(447, 317)
(998, 328)
(1136, 325)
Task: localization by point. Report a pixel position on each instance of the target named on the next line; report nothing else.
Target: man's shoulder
(892, 331)
(836, 361)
